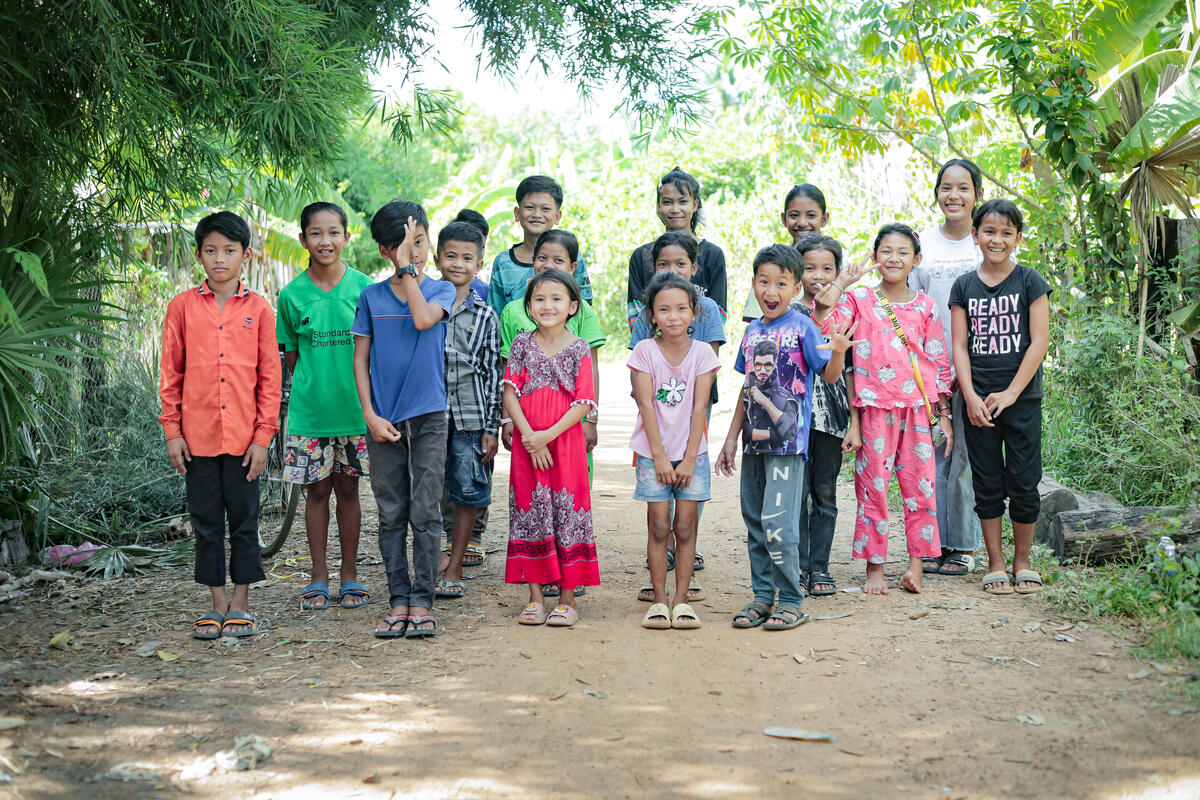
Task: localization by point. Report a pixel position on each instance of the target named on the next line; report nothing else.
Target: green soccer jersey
(515, 320)
(316, 325)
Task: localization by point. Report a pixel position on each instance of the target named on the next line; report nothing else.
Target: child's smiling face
(896, 257)
(537, 213)
(997, 237)
(324, 238)
(675, 208)
(802, 217)
(674, 258)
(820, 268)
(458, 262)
(774, 288)
(672, 313)
(551, 305)
(956, 194)
(553, 255)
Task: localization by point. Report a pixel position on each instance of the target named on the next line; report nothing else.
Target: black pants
(818, 506)
(1006, 462)
(217, 490)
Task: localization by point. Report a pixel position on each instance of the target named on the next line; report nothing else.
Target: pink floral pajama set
(894, 424)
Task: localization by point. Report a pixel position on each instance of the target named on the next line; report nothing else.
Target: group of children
(422, 379)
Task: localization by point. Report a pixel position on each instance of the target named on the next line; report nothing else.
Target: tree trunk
(1108, 534)
(1057, 498)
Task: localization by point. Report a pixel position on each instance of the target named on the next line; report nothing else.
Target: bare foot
(875, 583)
(911, 582)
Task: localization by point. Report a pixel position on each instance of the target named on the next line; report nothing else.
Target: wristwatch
(410, 270)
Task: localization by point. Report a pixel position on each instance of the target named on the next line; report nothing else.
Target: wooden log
(1106, 534)
(14, 551)
(1057, 498)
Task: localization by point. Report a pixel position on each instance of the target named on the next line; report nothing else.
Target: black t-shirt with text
(998, 327)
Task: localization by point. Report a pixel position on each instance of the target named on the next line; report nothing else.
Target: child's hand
(381, 430)
(857, 271)
(542, 459)
(506, 436)
(998, 401)
(535, 441)
(489, 445)
(664, 471)
(178, 454)
(727, 461)
(977, 412)
(684, 472)
(402, 255)
(947, 428)
(590, 435)
(852, 440)
(256, 458)
(839, 338)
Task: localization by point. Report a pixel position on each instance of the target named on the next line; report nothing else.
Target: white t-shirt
(674, 395)
(942, 261)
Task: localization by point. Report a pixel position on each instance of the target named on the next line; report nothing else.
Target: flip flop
(314, 589)
(562, 617)
(210, 620)
(390, 632)
(658, 617)
(445, 589)
(353, 589)
(646, 593)
(965, 560)
(421, 633)
(998, 578)
(239, 618)
(817, 578)
(931, 564)
(684, 618)
(1027, 576)
(697, 562)
(695, 591)
(783, 623)
(554, 590)
(534, 614)
(474, 556)
(756, 612)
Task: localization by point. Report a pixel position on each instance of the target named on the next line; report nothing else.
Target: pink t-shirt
(674, 396)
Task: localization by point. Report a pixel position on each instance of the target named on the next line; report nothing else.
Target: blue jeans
(958, 526)
(818, 507)
(772, 488)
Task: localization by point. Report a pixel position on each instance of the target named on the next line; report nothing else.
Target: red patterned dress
(550, 537)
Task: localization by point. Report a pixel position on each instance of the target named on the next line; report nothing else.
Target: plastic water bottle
(1164, 554)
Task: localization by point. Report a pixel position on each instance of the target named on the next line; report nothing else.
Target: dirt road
(947, 694)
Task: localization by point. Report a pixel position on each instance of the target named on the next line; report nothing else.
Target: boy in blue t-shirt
(778, 355)
(538, 209)
(399, 352)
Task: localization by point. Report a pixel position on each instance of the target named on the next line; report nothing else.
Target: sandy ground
(947, 694)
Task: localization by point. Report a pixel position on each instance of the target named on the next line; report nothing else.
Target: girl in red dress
(547, 392)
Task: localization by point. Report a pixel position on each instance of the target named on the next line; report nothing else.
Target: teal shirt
(509, 277)
(315, 324)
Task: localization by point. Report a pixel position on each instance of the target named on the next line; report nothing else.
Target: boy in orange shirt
(220, 392)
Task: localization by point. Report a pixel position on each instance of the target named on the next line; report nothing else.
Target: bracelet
(505, 421)
(593, 416)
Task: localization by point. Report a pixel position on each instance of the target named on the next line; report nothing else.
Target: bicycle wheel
(278, 499)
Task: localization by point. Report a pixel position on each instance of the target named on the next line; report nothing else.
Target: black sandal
(931, 565)
(819, 578)
(958, 559)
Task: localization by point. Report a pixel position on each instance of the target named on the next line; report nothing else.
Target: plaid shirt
(473, 366)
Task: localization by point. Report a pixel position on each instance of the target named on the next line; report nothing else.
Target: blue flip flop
(354, 588)
(313, 590)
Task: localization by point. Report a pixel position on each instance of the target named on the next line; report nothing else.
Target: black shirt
(710, 274)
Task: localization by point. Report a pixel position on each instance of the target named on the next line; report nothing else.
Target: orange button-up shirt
(220, 374)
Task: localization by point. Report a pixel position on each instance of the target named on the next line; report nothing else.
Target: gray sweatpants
(772, 490)
(958, 525)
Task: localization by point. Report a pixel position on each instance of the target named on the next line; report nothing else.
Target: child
(676, 251)
(472, 392)
(803, 214)
(895, 400)
(678, 202)
(326, 439)
(835, 429)
(1001, 333)
(221, 335)
(948, 251)
(399, 350)
(538, 209)
(672, 375)
(547, 392)
(778, 355)
(473, 217)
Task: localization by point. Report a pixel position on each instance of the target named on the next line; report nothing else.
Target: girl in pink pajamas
(894, 425)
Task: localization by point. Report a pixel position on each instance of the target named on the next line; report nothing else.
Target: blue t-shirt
(407, 365)
(783, 374)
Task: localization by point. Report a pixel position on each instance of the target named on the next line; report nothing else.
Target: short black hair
(684, 183)
(226, 223)
(675, 239)
(460, 232)
(669, 280)
(312, 209)
(554, 276)
(473, 217)
(816, 241)
(558, 236)
(782, 256)
(901, 229)
(540, 183)
(1000, 207)
(387, 226)
(805, 190)
(765, 347)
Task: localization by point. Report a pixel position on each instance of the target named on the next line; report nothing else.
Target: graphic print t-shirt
(316, 324)
(998, 328)
(674, 396)
(778, 389)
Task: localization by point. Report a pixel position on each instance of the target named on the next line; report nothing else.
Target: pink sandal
(563, 617)
(534, 614)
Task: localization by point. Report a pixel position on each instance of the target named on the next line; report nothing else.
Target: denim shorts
(649, 490)
(466, 474)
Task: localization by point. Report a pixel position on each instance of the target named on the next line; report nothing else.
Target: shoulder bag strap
(912, 357)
